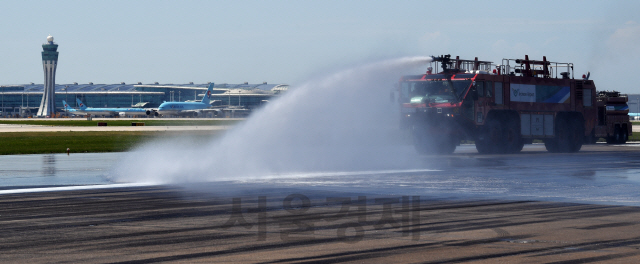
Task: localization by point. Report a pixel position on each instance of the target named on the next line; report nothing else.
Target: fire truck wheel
(616, 138)
(576, 138)
(421, 148)
(425, 144)
(520, 146)
(591, 139)
(419, 139)
(551, 145)
(446, 146)
(491, 135)
(564, 135)
(512, 140)
(560, 143)
(568, 136)
(482, 147)
(429, 146)
(625, 136)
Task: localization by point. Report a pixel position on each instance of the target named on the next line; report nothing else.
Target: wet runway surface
(19, 171)
(599, 174)
(534, 207)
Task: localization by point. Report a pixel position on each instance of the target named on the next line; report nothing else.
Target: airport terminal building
(24, 100)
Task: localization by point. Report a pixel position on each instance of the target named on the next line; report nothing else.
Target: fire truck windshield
(433, 91)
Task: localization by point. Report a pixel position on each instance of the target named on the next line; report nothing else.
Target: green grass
(148, 122)
(79, 142)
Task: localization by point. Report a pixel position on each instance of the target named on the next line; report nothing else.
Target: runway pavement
(287, 225)
(468, 207)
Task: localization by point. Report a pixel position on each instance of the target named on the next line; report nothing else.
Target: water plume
(340, 122)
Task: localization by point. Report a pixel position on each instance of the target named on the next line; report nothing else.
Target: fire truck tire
(625, 136)
(576, 139)
(483, 147)
(568, 135)
(491, 135)
(591, 139)
(521, 146)
(551, 145)
(447, 146)
(430, 146)
(512, 140)
(616, 138)
(560, 142)
(419, 140)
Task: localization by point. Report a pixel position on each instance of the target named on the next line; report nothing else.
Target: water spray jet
(339, 122)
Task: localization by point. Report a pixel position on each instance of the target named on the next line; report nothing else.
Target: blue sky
(292, 41)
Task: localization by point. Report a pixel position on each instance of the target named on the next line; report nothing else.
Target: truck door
(485, 92)
(579, 103)
(469, 104)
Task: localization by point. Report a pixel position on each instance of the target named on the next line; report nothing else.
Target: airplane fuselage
(181, 108)
(110, 111)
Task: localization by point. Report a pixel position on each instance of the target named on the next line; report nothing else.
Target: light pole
(66, 98)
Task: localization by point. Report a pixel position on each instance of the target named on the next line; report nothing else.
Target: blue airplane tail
(66, 106)
(80, 104)
(207, 97)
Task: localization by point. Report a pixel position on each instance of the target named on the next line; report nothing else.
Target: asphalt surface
(461, 210)
(166, 224)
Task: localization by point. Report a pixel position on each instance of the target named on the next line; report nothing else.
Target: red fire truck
(502, 107)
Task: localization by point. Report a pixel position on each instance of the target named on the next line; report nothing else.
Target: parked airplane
(68, 109)
(108, 111)
(184, 108)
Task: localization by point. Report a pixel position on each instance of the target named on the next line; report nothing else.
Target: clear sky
(291, 41)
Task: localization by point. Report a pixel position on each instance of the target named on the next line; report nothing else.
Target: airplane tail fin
(207, 97)
(80, 104)
(66, 106)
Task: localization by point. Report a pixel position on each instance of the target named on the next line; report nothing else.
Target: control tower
(49, 63)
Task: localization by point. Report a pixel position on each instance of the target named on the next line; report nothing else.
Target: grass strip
(80, 142)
